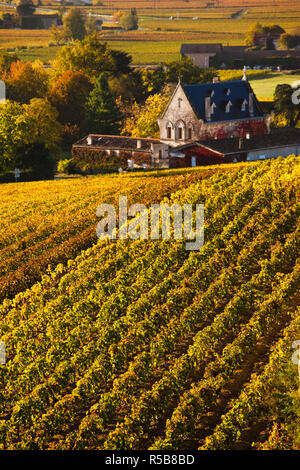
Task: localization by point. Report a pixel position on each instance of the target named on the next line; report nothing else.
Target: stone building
(201, 54)
(279, 142)
(203, 124)
(211, 110)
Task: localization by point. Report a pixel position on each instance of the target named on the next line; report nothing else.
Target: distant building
(268, 40)
(39, 21)
(203, 55)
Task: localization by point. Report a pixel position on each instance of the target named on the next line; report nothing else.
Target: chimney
(251, 104)
(139, 144)
(216, 80)
(89, 140)
(207, 108)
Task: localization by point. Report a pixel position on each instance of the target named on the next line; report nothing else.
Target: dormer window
(228, 106)
(210, 93)
(243, 105)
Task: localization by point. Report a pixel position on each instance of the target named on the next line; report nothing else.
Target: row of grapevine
(130, 344)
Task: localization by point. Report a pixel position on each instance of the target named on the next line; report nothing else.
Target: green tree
(58, 34)
(141, 121)
(74, 24)
(37, 158)
(129, 86)
(250, 35)
(258, 28)
(91, 25)
(187, 72)
(128, 21)
(6, 60)
(93, 57)
(286, 112)
(288, 41)
(22, 126)
(102, 113)
(153, 80)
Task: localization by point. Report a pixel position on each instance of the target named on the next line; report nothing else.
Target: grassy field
(159, 38)
(265, 87)
(12, 38)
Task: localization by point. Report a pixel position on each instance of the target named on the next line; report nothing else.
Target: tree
(91, 25)
(8, 19)
(102, 114)
(286, 112)
(274, 29)
(12, 131)
(142, 120)
(256, 28)
(187, 72)
(74, 24)
(22, 126)
(69, 95)
(288, 41)
(58, 34)
(6, 60)
(26, 81)
(37, 158)
(25, 7)
(128, 21)
(153, 80)
(129, 86)
(43, 125)
(92, 57)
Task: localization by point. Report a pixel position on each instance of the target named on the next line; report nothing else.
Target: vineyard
(163, 26)
(140, 344)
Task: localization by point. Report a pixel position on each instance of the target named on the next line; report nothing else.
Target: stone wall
(239, 128)
(179, 115)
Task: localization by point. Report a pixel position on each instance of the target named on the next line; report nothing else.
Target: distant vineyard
(143, 345)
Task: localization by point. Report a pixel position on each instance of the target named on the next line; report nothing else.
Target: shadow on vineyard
(143, 345)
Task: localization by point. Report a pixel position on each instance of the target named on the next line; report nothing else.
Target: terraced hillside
(144, 345)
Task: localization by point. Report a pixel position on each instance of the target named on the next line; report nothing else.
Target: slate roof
(200, 48)
(115, 142)
(235, 91)
(277, 138)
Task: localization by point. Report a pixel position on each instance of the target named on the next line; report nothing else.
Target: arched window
(190, 131)
(180, 130)
(169, 129)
